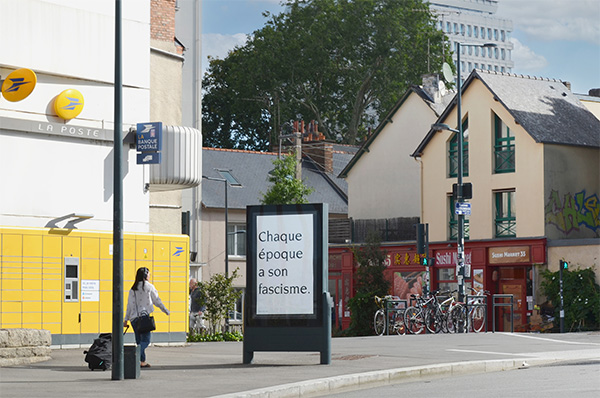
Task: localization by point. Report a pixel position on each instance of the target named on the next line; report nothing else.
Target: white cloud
(525, 58)
(554, 19)
(217, 45)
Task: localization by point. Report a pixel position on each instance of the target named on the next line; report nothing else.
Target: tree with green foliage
(342, 63)
(286, 188)
(581, 298)
(370, 282)
(219, 296)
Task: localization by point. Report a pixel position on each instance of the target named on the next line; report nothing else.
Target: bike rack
(392, 306)
(484, 305)
(503, 304)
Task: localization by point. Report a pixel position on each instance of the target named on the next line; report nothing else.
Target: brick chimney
(162, 26)
(320, 152)
(314, 146)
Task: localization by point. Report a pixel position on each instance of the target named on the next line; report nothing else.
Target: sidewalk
(216, 369)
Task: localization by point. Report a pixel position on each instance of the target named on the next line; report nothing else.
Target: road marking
(487, 352)
(547, 339)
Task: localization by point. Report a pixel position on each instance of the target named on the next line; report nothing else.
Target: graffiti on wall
(573, 212)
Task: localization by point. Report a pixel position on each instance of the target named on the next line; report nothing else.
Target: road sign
(463, 208)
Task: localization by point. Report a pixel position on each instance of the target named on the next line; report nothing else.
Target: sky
(557, 39)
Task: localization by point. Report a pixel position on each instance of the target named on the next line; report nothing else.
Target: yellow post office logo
(68, 104)
(19, 84)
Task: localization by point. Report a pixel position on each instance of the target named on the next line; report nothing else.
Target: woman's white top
(145, 298)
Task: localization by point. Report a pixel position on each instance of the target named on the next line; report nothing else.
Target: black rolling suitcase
(99, 355)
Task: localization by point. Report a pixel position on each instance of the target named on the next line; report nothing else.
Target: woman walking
(143, 296)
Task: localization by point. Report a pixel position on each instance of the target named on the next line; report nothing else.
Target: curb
(358, 381)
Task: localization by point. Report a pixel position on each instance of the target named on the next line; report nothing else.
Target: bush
(581, 298)
(362, 307)
(219, 297)
(224, 336)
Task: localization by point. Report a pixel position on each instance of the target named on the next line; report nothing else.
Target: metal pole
(459, 189)
(226, 249)
(560, 285)
(427, 275)
(117, 324)
(226, 234)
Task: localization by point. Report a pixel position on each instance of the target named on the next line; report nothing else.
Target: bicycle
(477, 317)
(436, 318)
(394, 321)
(415, 315)
(456, 320)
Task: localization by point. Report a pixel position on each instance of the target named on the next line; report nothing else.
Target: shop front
(504, 268)
(403, 268)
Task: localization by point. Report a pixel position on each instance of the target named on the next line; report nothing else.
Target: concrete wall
(571, 192)
(580, 255)
(24, 346)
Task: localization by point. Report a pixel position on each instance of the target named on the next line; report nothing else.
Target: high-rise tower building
(473, 22)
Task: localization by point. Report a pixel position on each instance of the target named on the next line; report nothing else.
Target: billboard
(285, 262)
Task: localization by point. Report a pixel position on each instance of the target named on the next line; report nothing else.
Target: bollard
(132, 361)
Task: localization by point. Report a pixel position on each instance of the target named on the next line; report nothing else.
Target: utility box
(131, 359)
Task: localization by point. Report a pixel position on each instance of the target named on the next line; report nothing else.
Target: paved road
(566, 379)
(216, 369)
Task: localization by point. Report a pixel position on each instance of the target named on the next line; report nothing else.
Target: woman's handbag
(145, 323)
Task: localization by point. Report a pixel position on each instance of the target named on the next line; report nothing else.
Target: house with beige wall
(532, 155)
(383, 168)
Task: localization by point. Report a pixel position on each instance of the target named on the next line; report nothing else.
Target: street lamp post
(460, 244)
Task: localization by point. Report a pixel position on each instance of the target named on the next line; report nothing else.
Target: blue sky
(557, 39)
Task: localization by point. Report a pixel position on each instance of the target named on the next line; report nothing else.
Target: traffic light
(564, 265)
(467, 191)
(421, 239)
(427, 261)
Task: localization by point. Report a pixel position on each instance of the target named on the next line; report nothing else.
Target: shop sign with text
(450, 258)
(509, 255)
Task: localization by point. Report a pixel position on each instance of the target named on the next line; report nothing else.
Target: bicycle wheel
(477, 319)
(433, 321)
(457, 319)
(379, 322)
(414, 320)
